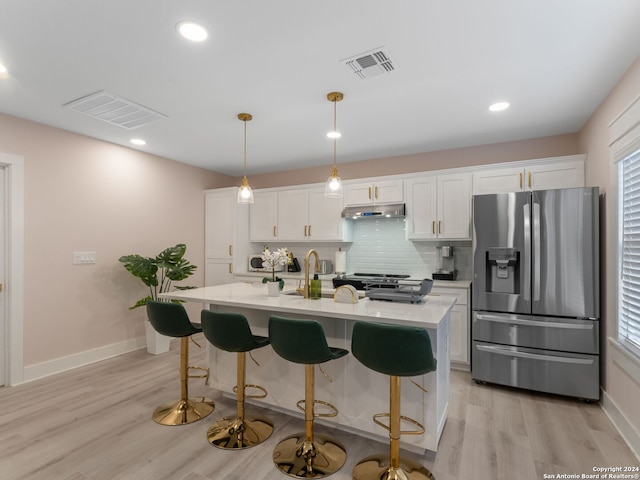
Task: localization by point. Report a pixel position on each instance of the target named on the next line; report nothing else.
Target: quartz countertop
(427, 314)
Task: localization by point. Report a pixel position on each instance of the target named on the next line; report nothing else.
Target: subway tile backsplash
(380, 246)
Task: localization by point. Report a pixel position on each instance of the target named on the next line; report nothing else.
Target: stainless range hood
(374, 211)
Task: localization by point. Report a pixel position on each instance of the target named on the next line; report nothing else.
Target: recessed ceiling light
(3, 70)
(138, 141)
(499, 106)
(192, 31)
(334, 134)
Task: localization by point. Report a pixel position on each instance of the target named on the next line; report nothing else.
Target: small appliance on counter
(325, 267)
(255, 265)
(447, 269)
(410, 291)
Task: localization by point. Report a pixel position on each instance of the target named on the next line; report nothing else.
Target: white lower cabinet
(218, 272)
(460, 320)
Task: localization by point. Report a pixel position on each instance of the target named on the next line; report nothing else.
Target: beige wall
(460, 157)
(86, 195)
(594, 140)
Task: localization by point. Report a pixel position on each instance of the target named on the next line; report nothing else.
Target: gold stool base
(377, 467)
(234, 434)
(183, 412)
(297, 458)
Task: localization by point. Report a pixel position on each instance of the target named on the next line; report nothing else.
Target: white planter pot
(156, 343)
(273, 288)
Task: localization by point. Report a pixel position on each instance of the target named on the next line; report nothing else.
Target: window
(629, 248)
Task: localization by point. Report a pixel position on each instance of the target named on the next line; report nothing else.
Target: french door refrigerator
(536, 291)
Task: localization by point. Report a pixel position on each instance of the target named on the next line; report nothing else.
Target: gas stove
(364, 281)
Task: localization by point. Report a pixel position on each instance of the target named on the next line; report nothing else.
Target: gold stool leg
(185, 410)
(309, 455)
(391, 467)
(240, 432)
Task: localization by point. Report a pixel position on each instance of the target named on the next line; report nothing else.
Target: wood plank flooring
(94, 423)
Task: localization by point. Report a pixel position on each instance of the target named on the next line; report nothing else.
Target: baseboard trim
(627, 431)
(63, 364)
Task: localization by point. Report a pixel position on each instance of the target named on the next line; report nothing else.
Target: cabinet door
(217, 272)
(358, 194)
(388, 192)
(325, 222)
(459, 335)
(555, 175)
(220, 224)
(421, 208)
(263, 216)
(454, 206)
(499, 180)
(292, 215)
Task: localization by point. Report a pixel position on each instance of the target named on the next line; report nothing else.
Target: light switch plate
(84, 258)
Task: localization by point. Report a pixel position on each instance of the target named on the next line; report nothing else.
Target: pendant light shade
(333, 187)
(245, 194)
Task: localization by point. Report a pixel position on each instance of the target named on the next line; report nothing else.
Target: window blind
(629, 266)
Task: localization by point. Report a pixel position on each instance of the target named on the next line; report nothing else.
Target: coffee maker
(447, 270)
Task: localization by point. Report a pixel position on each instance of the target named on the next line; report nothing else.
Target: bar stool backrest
(229, 332)
(301, 341)
(170, 319)
(397, 350)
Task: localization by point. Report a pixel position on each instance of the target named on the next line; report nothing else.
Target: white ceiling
(553, 60)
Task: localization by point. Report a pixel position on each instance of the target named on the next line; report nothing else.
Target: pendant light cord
(245, 149)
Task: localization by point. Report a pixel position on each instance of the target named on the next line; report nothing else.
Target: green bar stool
(171, 319)
(230, 332)
(306, 455)
(397, 351)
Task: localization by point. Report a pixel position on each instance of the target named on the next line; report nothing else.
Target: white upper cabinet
(567, 173)
(296, 215)
(439, 207)
(263, 216)
(372, 193)
(220, 223)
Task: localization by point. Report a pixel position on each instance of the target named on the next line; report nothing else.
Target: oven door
(551, 333)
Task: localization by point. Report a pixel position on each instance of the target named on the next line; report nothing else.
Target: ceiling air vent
(115, 110)
(370, 64)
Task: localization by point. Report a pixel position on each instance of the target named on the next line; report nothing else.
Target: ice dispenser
(503, 270)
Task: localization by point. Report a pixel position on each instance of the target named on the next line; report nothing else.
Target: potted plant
(158, 273)
(270, 260)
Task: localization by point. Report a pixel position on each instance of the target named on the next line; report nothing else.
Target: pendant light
(333, 187)
(245, 194)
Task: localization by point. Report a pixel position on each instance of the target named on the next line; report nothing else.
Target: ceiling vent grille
(115, 110)
(370, 64)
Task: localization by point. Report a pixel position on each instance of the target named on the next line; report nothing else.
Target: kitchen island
(356, 391)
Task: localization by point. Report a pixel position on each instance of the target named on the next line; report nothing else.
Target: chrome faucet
(306, 270)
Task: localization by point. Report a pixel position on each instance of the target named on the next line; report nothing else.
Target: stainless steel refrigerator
(536, 291)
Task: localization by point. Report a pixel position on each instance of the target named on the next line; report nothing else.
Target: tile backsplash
(380, 246)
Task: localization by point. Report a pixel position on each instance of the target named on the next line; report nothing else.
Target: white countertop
(427, 314)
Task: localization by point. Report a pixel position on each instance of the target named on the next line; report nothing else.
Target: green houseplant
(160, 272)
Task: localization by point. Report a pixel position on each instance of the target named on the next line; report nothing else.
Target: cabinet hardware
(231, 268)
(369, 193)
(231, 250)
(529, 178)
(439, 226)
(376, 192)
(305, 231)
(309, 230)
(274, 231)
(433, 227)
(520, 179)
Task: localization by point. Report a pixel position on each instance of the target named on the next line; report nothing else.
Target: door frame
(14, 265)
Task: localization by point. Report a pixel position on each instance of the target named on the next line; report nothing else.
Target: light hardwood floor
(94, 423)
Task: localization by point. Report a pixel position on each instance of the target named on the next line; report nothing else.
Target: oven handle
(534, 323)
(534, 356)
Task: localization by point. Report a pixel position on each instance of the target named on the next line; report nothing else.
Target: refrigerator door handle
(536, 252)
(533, 323)
(534, 356)
(527, 251)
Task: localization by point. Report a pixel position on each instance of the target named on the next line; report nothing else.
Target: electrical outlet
(84, 258)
